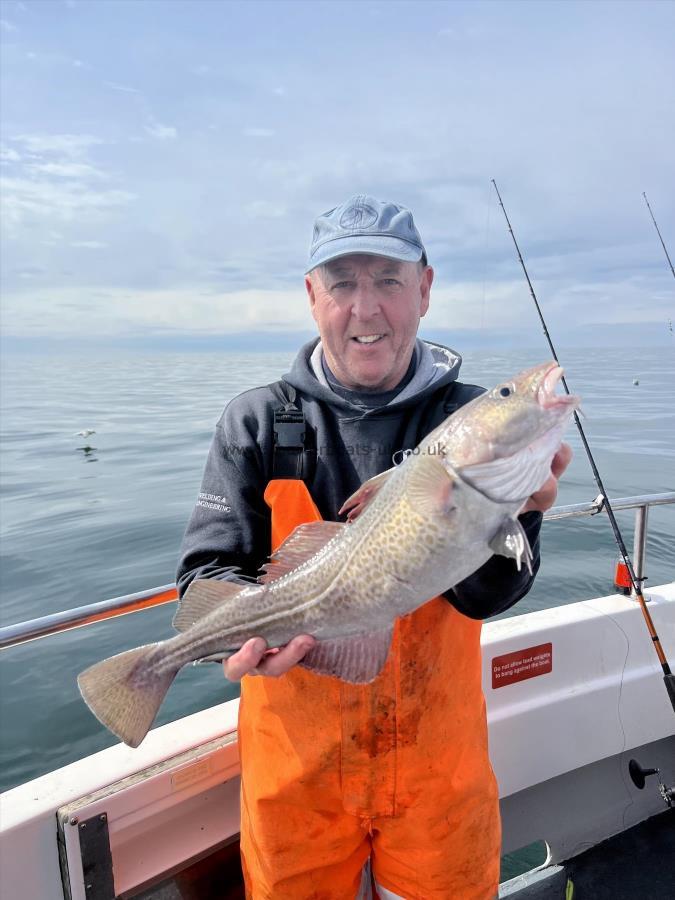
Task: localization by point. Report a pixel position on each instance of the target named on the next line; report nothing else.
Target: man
(393, 776)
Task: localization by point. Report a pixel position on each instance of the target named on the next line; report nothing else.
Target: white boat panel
(28, 823)
(603, 695)
(159, 818)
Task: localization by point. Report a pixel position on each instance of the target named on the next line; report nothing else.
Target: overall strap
(294, 453)
(444, 396)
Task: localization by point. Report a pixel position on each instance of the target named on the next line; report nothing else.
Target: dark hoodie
(230, 527)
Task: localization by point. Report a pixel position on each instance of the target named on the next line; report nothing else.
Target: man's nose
(365, 303)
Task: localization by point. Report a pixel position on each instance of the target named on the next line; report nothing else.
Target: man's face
(367, 309)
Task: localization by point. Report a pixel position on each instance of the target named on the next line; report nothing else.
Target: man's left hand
(544, 498)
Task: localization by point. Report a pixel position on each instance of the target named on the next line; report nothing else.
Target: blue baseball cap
(363, 224)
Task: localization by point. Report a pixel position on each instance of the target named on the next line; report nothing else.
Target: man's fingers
(255, 659)
(279, 663)
(245, 659)
(561, 460)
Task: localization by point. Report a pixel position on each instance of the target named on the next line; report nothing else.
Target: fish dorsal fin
(430, 485)
(299, 546)
(358, 501)
(355, 659)
(202, 597)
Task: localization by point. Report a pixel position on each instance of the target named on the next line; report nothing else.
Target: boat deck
(638, 864)
(217, 875)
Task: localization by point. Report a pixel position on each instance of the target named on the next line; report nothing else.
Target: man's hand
(255, 659)
(544, 498)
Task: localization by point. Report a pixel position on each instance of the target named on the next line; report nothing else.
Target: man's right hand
(255, 659)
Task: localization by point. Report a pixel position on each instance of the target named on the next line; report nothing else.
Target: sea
(86, 518)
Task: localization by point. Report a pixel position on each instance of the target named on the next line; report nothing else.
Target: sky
(162, 164)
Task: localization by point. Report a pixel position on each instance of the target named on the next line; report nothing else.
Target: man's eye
(391, 281)
(342, 284)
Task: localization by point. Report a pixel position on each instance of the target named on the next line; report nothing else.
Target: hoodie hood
(435, 366)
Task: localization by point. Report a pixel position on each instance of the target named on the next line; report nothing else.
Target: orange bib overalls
(397, 770)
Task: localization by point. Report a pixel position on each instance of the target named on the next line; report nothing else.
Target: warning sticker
(522, 664)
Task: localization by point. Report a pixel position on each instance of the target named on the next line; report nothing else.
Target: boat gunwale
(81, 616)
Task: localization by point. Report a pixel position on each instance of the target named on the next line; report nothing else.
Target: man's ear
(426, 281)
(309, 287)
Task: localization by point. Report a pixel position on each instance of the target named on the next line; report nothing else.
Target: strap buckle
(289, 428)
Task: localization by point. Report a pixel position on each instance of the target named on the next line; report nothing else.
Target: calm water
(87, 519)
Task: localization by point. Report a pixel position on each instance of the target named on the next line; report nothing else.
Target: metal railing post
(639, 542)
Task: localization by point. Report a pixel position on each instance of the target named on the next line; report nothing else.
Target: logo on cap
(358, 216)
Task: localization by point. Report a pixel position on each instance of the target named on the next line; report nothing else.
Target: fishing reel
(639, 775)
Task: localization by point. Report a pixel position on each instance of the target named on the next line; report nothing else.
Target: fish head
(503, 442)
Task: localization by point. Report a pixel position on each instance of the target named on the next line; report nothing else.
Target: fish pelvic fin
(124, 695)
(358, 660)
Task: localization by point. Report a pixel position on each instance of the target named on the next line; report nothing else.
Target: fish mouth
(546, 392)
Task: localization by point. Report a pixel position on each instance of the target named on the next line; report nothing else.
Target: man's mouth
(367, 338)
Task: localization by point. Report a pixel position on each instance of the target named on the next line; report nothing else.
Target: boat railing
(32, 629)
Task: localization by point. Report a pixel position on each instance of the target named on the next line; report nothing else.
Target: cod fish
(414, 531)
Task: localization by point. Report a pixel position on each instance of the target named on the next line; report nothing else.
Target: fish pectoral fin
(354, 659)
(202, 597)
(512, 541)
(299, 546)
(358, 501)
(431, 485)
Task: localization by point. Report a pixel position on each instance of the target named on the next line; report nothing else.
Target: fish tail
(125, 694)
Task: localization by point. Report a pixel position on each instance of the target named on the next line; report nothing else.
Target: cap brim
(373, 245)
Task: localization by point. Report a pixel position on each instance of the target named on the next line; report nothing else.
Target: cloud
(7, 26)
(125, 89)
(258, 132)
(8, 155)
(54, 181)
(89, 245)
(240, 214)
(72, 146)
(29, 201)
(83, 312)
(68, 170)
(32, 272)
(161, 132)
(263, 209)
(56, 59)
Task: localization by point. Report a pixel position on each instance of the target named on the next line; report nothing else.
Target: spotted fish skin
(413, 533)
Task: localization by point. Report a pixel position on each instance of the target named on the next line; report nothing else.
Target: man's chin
(370, 382)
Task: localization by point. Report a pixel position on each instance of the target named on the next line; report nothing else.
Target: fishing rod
(659, 234)
(668, 677)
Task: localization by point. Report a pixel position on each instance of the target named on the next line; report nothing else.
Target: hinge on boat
(97, 864)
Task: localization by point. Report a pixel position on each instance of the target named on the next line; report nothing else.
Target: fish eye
(505, 392)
